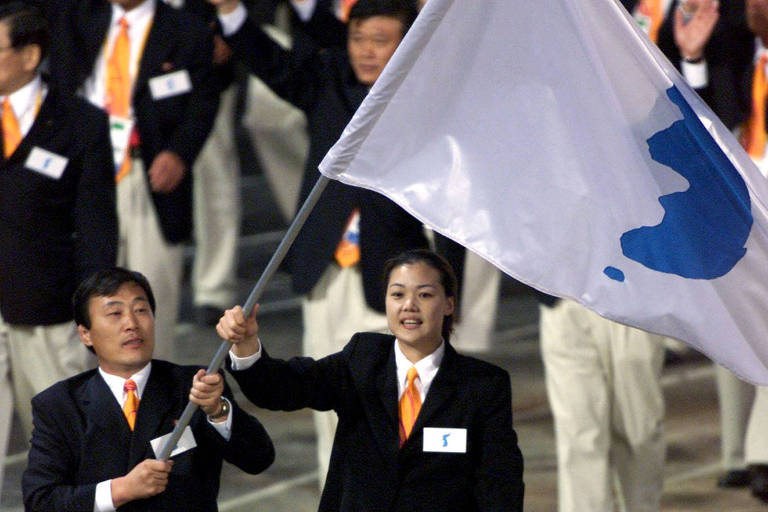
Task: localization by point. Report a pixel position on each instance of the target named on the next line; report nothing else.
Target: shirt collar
(23, 99)
(426, 367)
(116, 383)
(136, 15)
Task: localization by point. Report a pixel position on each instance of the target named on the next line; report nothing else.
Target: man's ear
(32, 57)
(85, 335)
(451, 306)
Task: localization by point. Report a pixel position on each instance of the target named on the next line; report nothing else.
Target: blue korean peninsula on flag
(552, 138)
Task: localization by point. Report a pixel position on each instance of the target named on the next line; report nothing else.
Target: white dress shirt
(139, 23)
(427, 368)
(116, 384)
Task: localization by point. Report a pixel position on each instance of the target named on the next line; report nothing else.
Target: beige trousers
(735, 399)
(479, 300)
(756, 443)
(32, 358)
(333, 311)
(603, 384)
(217, 212)
(142, 247)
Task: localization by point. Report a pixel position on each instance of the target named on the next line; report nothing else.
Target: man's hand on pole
(242, 333)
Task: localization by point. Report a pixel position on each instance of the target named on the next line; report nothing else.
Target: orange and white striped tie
(119, 82)
(11, 130)
(131, 405)
(753, 137)
(410, 405)
(650, 15)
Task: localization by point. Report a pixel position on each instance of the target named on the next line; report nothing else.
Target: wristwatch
(223, 413)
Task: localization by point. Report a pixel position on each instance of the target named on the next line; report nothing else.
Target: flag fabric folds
(553, 139)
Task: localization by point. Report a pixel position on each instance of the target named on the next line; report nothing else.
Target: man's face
(757, 17)
(17, 65)
(370, 44)
(122, 330)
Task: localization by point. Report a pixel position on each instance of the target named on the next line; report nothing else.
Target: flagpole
(250, 303)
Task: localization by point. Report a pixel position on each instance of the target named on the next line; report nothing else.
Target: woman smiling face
(416, 306)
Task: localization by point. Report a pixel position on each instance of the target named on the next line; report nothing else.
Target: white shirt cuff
(695, 73)
(103, 501)
(243, 363)
(231, 23)
(304, 8)
(224, 428)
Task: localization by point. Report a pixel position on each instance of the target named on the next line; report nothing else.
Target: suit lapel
(154, 416)
(43, 128)
(440, 393)
(93, 26)
(381, 394)
(156, 49)
(107, 430)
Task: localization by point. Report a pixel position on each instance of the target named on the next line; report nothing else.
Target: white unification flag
(552, 138)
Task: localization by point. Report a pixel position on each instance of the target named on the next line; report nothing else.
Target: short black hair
(103, 284)
(437, 262)
(26, 26)
(404, 10)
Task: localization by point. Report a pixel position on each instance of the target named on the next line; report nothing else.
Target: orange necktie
(753, 136)
(348, 251)
(131, 405)
(650, 11)
(410, 405)
(119, 82)
(11, 130)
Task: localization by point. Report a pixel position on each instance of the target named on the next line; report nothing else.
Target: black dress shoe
(759, 485)
(735, 478)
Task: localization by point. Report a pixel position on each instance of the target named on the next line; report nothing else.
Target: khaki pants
(756, 445)
(479, 300)
(32, 358)
(142, 247)
(603, 384)
(333, 311)
(735, 398)
(217, 211)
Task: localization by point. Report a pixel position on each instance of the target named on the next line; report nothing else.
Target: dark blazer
(81, 438)
(368, 471)
(728, 54)
(177, 41)
(55, 232)
(323, 85)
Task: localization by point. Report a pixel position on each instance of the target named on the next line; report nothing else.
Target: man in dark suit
(150, 67)
(456, 452)
(57, 216)
(88, 454)
(337, 256)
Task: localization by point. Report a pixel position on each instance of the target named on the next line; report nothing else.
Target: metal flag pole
(250, 303)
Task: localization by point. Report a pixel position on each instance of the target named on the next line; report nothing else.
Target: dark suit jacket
(323, 85)
(177, 41)
(81, 438)
(368, 470)
(55, 232)
(729, 60)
